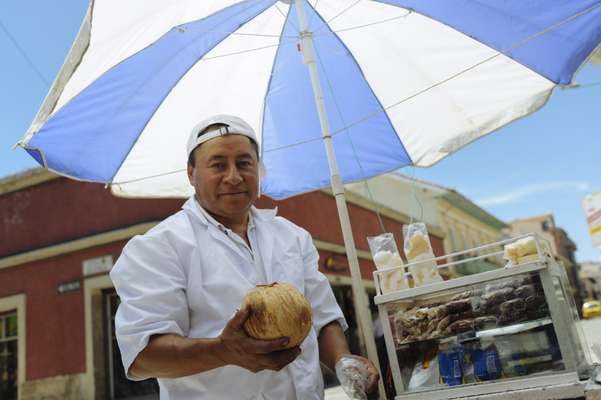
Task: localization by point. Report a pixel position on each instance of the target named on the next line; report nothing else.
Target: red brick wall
(61, 210)
(55, 335)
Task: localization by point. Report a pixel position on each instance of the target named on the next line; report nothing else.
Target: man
(181, 285)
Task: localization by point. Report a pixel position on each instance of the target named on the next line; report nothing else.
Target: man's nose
(233, 176)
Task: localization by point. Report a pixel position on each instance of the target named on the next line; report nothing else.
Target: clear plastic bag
(419, 250)
(386, 255)
(426, 371)
(353, 376)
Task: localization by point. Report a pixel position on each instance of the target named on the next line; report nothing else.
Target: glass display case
(506, 329)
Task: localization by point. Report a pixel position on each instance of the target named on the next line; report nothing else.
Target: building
(562, 247)
(463, 224)
(590, 276)
(58, 240)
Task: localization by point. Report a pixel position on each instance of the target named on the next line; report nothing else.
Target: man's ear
(191, 172)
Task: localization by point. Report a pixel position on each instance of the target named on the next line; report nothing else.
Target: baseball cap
(232, 126)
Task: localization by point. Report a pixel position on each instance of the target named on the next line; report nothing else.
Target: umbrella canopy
(404, 82)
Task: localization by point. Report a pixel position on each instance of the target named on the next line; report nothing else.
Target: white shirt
(241, 243)
(185, 276)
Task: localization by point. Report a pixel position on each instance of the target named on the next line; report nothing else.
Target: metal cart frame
(572, 342)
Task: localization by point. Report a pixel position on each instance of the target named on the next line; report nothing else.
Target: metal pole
(359, 295)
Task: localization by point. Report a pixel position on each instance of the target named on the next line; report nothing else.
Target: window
(8, 355)
(119, 387)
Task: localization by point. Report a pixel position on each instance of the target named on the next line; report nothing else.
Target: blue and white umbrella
(404, 82)
(396, 83)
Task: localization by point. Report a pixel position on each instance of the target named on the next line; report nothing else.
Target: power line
(25, 56)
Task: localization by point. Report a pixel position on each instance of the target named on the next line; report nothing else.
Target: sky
(544, 163)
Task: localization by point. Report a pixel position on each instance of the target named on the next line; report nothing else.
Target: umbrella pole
(359, 295)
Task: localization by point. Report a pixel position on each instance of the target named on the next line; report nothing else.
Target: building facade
(58, 240)
(590, 276)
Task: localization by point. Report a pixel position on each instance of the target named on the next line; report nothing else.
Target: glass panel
(11, 325)
(8, 370)
(484, 332)
(1, 327)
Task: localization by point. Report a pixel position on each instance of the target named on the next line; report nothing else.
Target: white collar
(205, 218)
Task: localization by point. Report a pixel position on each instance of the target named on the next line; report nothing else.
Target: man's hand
(358, 376)
(255, 355)
(372, 378)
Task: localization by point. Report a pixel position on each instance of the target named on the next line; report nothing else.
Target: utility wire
(584, 85)
(24, 55)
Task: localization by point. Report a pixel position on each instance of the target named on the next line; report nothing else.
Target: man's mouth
(232, 193)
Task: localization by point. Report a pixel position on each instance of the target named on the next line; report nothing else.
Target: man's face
(226, 175)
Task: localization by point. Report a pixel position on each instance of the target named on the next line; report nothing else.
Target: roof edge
(25, 179)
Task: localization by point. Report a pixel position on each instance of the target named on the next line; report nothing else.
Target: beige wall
(463, 231)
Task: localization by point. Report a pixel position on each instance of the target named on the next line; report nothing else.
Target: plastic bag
(418, 248)
(386, 255)
(523, 250)
(353, 376)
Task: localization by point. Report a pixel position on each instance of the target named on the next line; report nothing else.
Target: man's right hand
(237, 348)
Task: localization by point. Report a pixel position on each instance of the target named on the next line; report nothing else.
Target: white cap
(233, 126)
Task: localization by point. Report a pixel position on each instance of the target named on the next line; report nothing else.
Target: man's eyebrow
(218, 157)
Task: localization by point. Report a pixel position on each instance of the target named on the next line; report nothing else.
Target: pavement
(592, 331)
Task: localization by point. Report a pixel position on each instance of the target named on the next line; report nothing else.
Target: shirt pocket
(288, 268)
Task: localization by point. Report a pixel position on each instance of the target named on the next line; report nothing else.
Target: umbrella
(383, 83)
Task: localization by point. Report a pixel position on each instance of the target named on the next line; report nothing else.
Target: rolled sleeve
(150, 282)
(318, 290)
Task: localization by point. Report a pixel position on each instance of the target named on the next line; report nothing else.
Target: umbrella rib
(339, 14)
(373, 23)
(245, 51)
(286, 17)
(551, 28)
(177, 171)
(250, 34)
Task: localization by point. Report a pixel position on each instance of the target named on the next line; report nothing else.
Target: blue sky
(545, 163)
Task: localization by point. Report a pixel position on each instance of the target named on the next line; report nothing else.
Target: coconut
(278, 310)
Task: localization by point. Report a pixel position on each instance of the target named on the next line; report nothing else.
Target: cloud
(527, 191)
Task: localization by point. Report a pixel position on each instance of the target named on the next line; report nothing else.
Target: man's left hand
(365, 369)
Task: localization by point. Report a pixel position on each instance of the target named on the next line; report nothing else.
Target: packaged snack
(523, 251)
(451, 363)
(497, 297)
(462, 325)
(525, 291)
(419, 250)
(385, 255)
(486, 360)
(458, 306)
